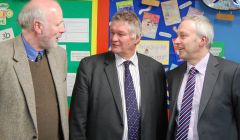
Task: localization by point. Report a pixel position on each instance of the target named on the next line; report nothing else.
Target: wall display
(159, 23)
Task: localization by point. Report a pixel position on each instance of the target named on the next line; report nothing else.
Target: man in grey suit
(205, 102)
(33, 102)
(100, 108)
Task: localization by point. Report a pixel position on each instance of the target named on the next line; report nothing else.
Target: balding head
(37, 10)
(42, 23)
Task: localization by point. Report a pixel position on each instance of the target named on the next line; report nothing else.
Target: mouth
(180, 49)
(57, 39)
(114, 45)
(58, 36)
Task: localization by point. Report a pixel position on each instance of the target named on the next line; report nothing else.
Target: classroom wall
(225, 31)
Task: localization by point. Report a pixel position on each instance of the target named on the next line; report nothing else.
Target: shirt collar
(119, 60)
(31, 52)
(201, 65)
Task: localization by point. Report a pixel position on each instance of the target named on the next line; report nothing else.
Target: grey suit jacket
(18, 118)
(96, 107)
(219, 109)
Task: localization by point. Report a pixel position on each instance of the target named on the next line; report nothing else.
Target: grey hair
(132, 20)
(203, 27)
(27, 16)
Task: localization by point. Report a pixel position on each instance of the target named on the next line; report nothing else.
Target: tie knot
(193, 71)
(127, 63)
(39, 57)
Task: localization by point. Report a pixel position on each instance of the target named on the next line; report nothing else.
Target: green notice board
(77, 9)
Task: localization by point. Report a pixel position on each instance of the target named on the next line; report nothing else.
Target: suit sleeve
(79, 104)
(236, 98)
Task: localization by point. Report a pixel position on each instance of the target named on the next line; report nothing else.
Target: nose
(62, 28)
(114, 37)
(177, 40)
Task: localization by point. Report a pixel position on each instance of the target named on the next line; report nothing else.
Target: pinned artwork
(125, 5)
(150, 25)
(194, 11)
(5, 12)
(171, 12)
(151, 2)
(158, 50)
(6, 34)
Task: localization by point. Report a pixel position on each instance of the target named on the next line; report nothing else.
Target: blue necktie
(133, 115)
(186, 107)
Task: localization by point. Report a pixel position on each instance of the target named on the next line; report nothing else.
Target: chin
(53, 45)
(115, 50)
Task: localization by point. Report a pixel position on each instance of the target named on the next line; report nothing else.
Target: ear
(37, 26)
(203, 41)
(137, 40)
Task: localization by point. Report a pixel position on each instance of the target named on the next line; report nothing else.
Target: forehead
(186, 26)
(119, 25)
(55, 15)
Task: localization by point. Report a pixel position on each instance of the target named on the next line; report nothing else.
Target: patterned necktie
(186, 107)
(39, 57)
(133, 115)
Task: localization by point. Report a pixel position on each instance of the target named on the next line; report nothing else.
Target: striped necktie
(186, 107)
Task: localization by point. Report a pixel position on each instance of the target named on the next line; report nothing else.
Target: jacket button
(34, 137)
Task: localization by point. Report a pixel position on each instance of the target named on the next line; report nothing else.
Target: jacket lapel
(112, 76)
(144, 70)
(54, 70)
(23, 72)
(58, 80)
(209, 82)
(176, 84)
(175, 88)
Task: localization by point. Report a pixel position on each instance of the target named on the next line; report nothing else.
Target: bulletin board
(81, 14)
(159, 40)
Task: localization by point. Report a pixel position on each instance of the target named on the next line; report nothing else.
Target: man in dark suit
(33, 89)
(204, 90)
(100, 102)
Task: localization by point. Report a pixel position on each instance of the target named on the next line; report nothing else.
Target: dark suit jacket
(18, 118)
(219, 109)
(96, 108)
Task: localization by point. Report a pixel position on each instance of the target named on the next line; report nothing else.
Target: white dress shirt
(134, 70)
(201, 67)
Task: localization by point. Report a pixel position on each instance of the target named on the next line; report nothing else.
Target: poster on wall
(158, 50)
(171, 12)
(150, 25)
